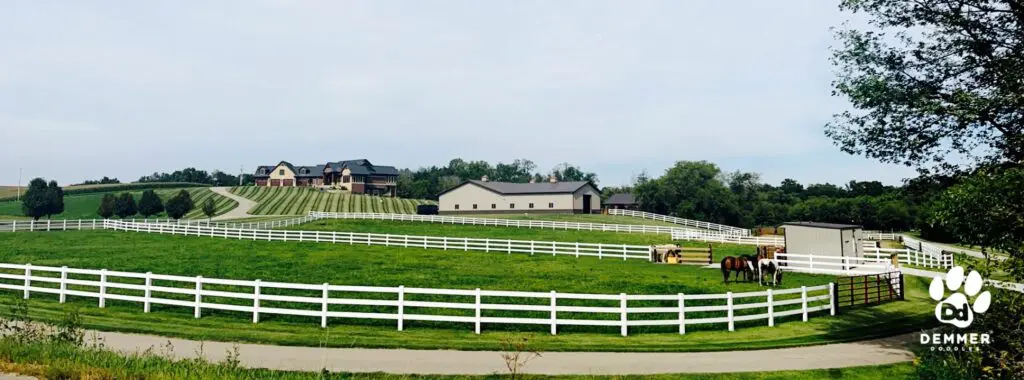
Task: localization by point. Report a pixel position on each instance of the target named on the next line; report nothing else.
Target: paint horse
(738, 265)
(767, 265)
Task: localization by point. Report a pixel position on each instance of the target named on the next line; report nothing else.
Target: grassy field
(301, 200)
(9, 191)
(84, 206)
(64, 361)
(384, 266)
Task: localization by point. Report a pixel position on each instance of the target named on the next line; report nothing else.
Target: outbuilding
(623, 201)
(823, 239)
(487, 197)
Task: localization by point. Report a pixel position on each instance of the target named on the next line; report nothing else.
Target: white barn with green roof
(487, 197)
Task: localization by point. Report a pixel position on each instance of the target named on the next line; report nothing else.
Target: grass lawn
(302, 200)
(84, 206)
(385, 266)
(54, 360)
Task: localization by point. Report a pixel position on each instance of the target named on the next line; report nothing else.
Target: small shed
(621, 201)
(824, 239)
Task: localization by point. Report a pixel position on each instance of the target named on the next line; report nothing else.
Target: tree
(690, 189)
(791, 186)
(36, 201)
(106, 209)
(179, 205)
(124, 206)
(209, 208)
(54, 199)
(932, 80)
(150, 204)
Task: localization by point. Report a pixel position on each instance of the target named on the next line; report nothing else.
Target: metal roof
(621, 199)
(834, 226)
(512, 188)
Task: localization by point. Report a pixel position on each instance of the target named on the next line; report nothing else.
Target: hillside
(84, 206)
(301, 200)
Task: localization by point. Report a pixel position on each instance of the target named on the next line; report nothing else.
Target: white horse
(770, 267)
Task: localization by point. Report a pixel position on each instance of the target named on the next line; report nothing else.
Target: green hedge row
(122, 187)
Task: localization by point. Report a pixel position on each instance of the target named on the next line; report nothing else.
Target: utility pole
(19, 184)
(241, 172)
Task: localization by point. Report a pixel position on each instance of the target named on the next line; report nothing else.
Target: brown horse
(738, 265)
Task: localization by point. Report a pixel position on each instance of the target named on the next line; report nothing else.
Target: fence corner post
(728, 306)
(323, 307)
(103, 288)
(28, 279)
(256, 302)
(771, 308)
(63, 282)
(832, 299)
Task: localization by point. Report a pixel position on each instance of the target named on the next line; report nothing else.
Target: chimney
(552, 179)
(483, 179)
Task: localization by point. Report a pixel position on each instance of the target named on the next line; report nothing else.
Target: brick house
(356, 176)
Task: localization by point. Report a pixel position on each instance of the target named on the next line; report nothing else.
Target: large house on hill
(356, 176)
(487, 197)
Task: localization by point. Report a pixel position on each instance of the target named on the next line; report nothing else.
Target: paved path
(873, 352)
(244, 205)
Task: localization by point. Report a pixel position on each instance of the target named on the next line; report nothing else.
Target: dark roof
(313, 171)
(511, 188)
(268, 169)
(361, 167)
(834, 226)
(621, 199)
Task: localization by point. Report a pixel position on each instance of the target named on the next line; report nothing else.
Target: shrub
(426, 209)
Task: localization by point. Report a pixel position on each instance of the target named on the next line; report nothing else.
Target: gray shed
(824, 239)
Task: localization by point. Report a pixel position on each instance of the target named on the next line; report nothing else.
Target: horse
(738, 265)
(767, 265)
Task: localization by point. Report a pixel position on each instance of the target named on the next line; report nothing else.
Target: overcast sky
(125, 88)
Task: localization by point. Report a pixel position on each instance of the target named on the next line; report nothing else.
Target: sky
(126, 88)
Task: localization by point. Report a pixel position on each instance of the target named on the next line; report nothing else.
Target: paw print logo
(957, 309)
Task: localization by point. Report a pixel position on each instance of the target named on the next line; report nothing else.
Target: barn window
(474, 206)
(531, 205)
(456, 207)
(551, 205)
(345, 178)
(511, 205)
(494, 206)
(280, 172)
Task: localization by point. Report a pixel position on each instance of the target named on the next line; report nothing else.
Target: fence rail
(933, 251)
(599, 250)
(730, 230)
(879, 235)
(734, 239)
(831, 264)
(401, 304)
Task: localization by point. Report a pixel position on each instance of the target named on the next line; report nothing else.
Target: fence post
(323, 307)
(477, 324)
(148, 291)
(622, 307)
(832, 298)
(902, 289)
(803, 301)
(771, 308)
(577, 250)
(256, 302)
(531, 248)
(103, 288)
(401, 307)
(623, 252)
(554, 314)
(728, 304)
(508, 246)
(199, 296)
(63, 280)
(682, 314)
(28, 279)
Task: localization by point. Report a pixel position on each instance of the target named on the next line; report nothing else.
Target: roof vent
(483, 179)
(552, 179)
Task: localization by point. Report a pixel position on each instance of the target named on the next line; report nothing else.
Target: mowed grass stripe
(301, 200)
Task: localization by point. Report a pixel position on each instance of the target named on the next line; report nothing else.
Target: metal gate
(868, 289)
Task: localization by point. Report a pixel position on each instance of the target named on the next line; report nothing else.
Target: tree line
(150, 204)
(428, 182)
(193, 175)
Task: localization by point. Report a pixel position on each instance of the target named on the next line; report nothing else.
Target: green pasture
(388, 266)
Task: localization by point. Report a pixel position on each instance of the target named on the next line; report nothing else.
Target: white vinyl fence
(402, 304)
(830, 264)
(933, 251)
(544, 224)
(599, 250)
(66, 225)
(879, 235)
(734, 239)
(730, 230)
(910, 257)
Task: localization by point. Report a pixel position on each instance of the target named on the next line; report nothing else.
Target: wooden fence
(868, 289)
(402, 304)
(729, 230)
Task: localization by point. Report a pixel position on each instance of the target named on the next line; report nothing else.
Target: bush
(426, 209)
(1002, 359)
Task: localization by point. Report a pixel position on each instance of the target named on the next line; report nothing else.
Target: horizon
(125, 90)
